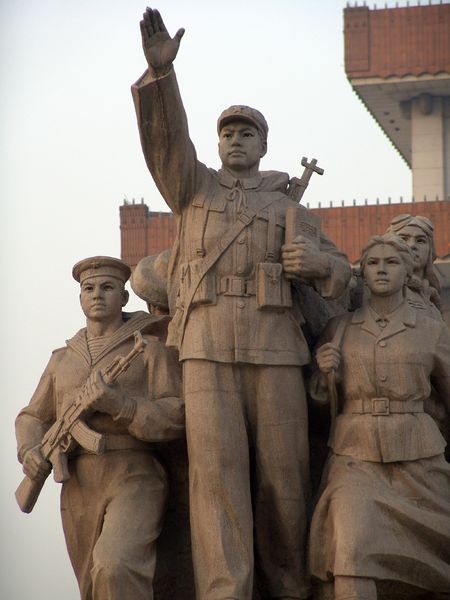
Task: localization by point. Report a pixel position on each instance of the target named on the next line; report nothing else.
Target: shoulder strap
(244, 220)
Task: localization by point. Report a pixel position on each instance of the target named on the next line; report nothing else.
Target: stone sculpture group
(222, 361)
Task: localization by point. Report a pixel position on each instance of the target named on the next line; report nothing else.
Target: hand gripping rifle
(331, 376)
(70, 428)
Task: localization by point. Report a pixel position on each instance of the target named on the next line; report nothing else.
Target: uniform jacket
(207, 203)
(153, 380)
(420, 300)
(398, 362)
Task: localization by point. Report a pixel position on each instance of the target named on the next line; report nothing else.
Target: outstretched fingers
(153, 23)
(145, 34)
(148, 22)
(158, 23)
(179, 34)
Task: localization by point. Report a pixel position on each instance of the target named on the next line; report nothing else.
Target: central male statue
(241, 347)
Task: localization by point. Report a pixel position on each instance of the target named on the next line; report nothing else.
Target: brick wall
(397, 41)
(144, 233)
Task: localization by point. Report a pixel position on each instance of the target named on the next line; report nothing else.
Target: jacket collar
(402, 317)
(137, 321)
(272, 181)
(228, 180)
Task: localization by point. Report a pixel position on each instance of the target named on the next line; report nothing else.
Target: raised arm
(168, 150)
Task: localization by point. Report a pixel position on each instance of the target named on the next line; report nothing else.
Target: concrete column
(430, 147)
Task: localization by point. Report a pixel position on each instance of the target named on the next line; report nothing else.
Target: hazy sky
(70, 152)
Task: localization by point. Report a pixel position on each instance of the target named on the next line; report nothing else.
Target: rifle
(298, 186)
(70, 428)
(331, 376)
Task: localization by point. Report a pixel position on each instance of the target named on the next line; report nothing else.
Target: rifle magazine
(88, 438)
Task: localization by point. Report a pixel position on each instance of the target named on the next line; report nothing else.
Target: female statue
(384, 511)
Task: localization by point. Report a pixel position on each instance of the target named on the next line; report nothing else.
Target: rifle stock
(28, 492)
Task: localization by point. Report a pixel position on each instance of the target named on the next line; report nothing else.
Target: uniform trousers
(112, 511)
(248, 452)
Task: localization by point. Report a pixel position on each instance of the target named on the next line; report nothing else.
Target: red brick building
(398, 63)
(144, 232)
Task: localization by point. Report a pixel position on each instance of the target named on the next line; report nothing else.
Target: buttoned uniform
(112, 506)
(385, 508)
(420, 300)
(243, 385)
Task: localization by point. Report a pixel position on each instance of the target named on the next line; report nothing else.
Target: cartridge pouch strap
(271, 235)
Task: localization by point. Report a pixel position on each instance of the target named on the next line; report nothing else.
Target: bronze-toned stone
(239, 336)
(112, 503)
(384, 513)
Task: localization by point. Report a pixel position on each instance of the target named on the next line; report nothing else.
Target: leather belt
(116, 442)
(382, 406)
(232, 285)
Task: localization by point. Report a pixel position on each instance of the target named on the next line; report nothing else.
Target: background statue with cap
(149, 282)
(112, 503)
(423, 286)
(238, 333)
(422, 293)
(173, 576)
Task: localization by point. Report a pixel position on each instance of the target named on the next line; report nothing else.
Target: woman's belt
(382, 406)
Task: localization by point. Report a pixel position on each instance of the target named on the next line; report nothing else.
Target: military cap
(401, 221)
(149, 279)
(240, 112)
(101, 266)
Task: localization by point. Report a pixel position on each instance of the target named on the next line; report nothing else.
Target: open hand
(159, 48)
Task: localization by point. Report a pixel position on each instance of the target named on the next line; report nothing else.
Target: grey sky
(70, 152)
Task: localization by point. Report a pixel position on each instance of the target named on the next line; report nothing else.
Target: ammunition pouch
(273, 290)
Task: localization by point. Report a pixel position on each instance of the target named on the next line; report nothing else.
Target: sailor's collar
(137, 321)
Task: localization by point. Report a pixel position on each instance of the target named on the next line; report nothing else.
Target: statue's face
(419, 243)
(384, 271)
(240, 146)
(102, 298)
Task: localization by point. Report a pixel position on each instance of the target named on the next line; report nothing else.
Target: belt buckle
(380, 406)
(245, 218)
(235, 286)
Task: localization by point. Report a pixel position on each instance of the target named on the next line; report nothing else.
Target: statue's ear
(263, 148)
(125, 297)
